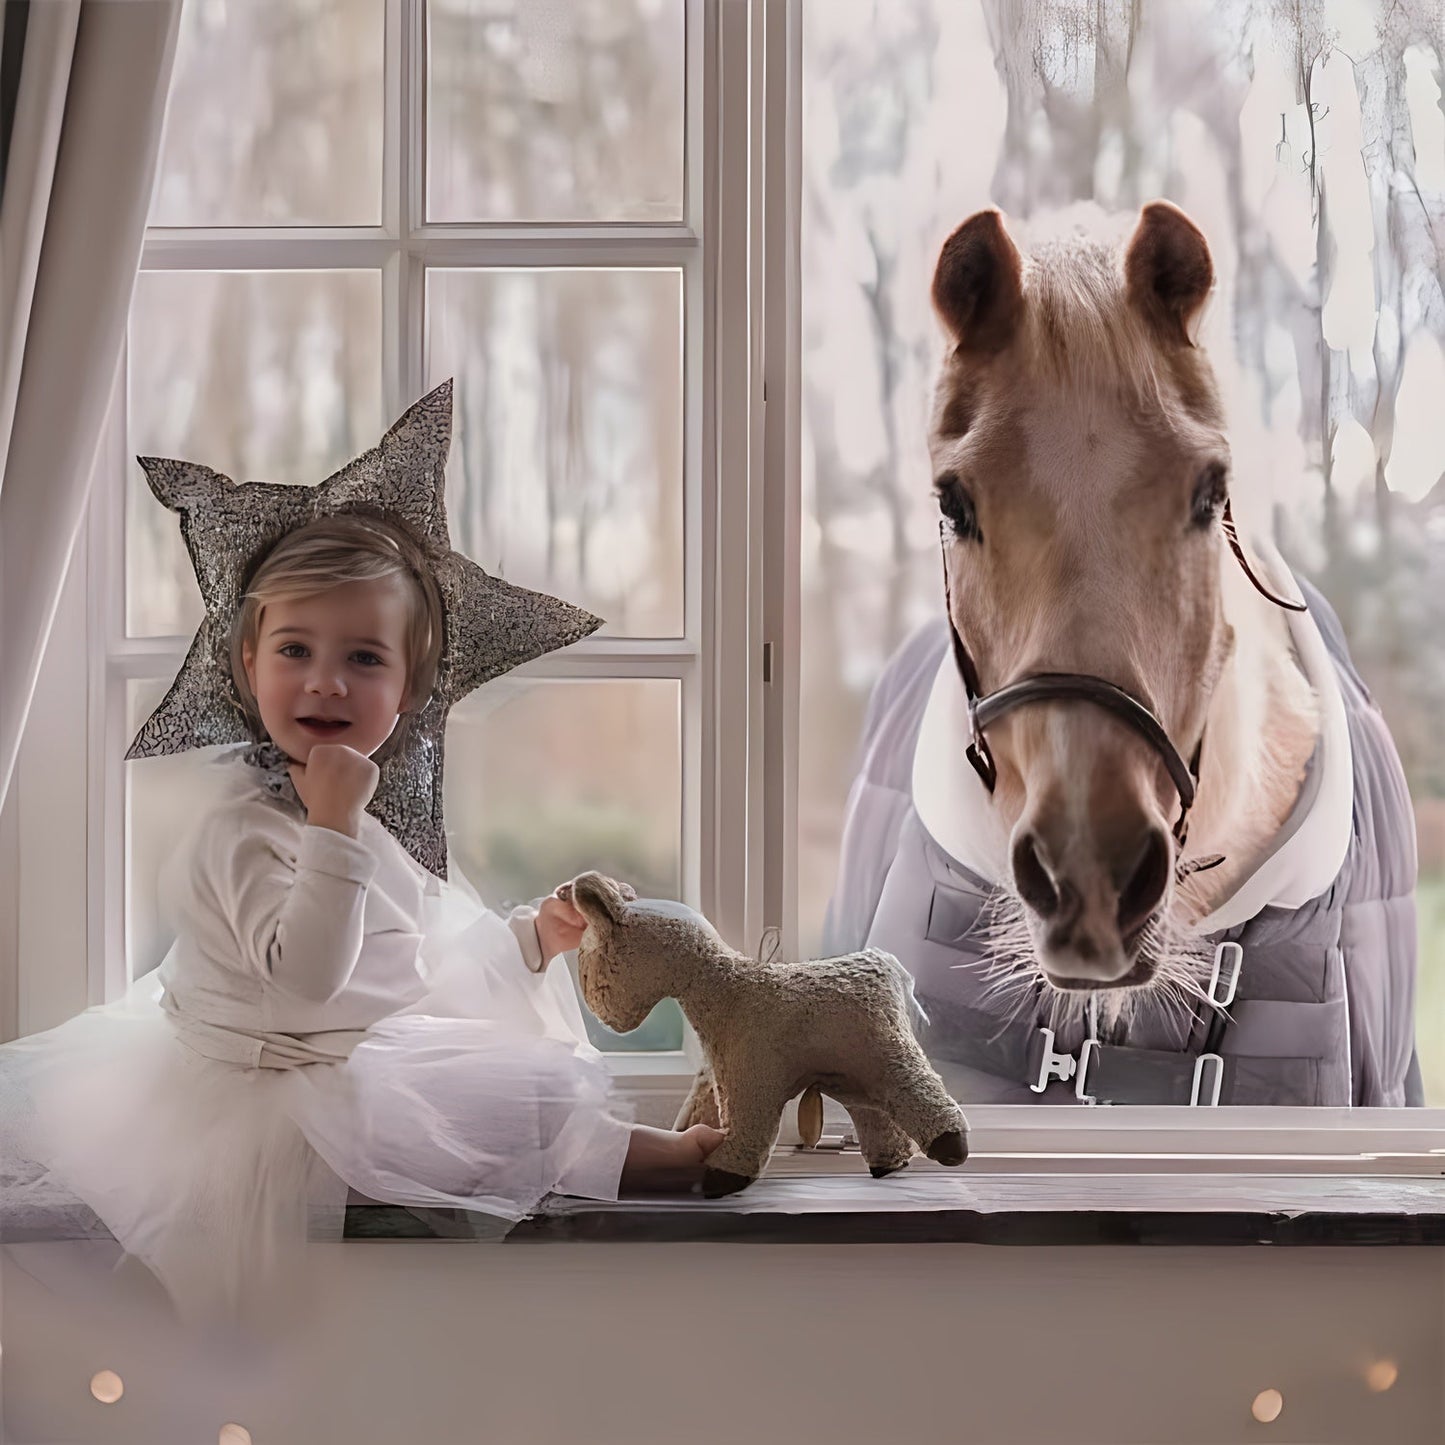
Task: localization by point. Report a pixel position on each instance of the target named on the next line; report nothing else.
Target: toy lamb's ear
(597, 896)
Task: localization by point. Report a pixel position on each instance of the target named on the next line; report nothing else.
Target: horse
(1128, 743)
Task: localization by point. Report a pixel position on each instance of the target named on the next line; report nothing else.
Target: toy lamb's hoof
(882, 1171)
(950, 1148)
(718, 1182)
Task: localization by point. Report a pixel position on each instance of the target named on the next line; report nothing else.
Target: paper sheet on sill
(1054, 1193)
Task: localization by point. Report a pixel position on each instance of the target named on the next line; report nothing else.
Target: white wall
(432, 1342)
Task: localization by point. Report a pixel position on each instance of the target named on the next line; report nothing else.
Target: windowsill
(1007, 1201)
(828, 1197)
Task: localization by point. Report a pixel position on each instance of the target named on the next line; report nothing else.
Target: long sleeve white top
(293, 939)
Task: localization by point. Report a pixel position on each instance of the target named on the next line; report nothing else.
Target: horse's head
(1080, 463)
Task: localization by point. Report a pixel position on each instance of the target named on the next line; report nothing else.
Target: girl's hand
(335, 783)
(559, 927)
(564, 923)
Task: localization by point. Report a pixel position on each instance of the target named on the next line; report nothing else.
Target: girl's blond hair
(330, 552)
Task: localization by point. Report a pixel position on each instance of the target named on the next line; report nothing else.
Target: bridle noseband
(985, 709)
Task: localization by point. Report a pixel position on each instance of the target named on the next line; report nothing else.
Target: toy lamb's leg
(886, 1148)
(700, 1106)
(753, 1120)
(914, 1095)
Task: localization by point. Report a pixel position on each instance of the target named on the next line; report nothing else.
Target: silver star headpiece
(491, 626)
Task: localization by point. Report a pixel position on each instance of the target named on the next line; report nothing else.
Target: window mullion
(142, 657)
(732, 894)
(710, 710)
(394, 314)
(781, 500)
(394, 131)
(296, 249)
(408, 301)
(699, 720)
(311, 248)
(558, 247)
(412, 193)
(395, 160)
(600, 665)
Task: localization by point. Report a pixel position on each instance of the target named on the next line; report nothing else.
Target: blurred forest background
(1307, 138)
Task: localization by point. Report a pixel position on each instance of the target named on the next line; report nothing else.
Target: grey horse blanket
(1317, 1003)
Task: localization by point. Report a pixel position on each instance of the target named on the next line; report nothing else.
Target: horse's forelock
(1082, 332)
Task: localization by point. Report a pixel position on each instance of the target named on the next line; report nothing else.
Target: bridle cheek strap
(1231, 535)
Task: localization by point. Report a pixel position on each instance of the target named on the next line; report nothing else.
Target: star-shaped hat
(491, 626)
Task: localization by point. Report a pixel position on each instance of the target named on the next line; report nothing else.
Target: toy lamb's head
(636, 951)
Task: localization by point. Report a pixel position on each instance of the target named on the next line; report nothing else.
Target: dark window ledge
(998, 1209)
(929, 1205)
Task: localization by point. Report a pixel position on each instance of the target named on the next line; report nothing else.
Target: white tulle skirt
(483, 1095)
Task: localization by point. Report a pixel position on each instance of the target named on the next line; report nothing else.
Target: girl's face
(332, 668)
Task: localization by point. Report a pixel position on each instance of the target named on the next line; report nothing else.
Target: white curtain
(83, 109)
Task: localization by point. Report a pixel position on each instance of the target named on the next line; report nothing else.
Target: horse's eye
(957, 506)
(1210, 490)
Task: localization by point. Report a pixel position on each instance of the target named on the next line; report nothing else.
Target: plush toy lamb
(770, 1031)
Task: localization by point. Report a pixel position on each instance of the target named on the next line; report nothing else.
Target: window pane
(1325, 329)
(546, 779)
(566, 462)
(275, 115)
(265, 376)
(555, 110)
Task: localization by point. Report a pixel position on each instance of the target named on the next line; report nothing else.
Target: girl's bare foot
(667, 1159)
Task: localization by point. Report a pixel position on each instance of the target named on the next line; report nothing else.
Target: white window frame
(719, 742)
(1370, 1139)
(742, 280)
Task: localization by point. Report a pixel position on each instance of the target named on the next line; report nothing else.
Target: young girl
(331, 1015)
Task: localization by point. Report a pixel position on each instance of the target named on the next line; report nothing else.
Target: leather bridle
(985, 709)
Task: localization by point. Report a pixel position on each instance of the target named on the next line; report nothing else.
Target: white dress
(330, 1016)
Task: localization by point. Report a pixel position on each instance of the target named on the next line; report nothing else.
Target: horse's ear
(1168, 270)
(978, 284)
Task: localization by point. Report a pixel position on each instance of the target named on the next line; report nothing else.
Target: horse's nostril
(1035, 885)
(1141, 894)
